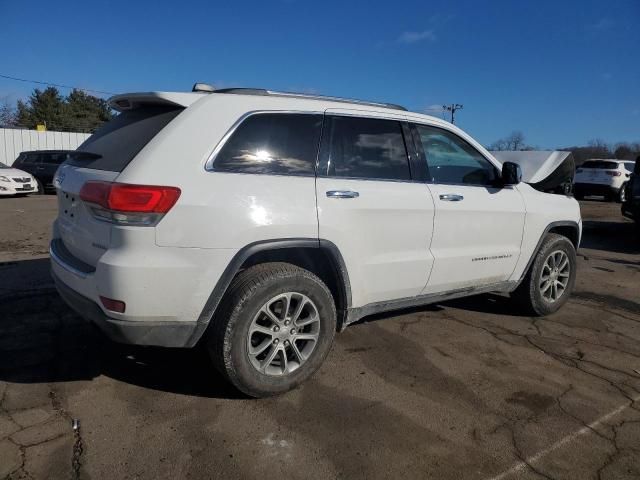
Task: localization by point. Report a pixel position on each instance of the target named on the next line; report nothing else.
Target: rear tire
(551, 277)
(261, 335)
(622, 193)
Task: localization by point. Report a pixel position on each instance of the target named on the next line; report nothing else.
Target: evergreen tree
(77, 112)
(86, 112)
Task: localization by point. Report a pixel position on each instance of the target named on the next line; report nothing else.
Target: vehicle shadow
(618, 237)
(495, 304)
(43, 341)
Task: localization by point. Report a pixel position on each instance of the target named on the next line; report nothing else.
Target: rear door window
(53, 158)
(118, 141)
(366, 148)
(272, 143)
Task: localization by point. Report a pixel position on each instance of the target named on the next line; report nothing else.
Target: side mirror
(511, 173)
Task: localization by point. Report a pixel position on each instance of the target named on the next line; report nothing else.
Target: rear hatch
(101, 158)
(597, 171)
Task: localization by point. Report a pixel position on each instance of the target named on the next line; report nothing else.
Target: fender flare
(233, 267)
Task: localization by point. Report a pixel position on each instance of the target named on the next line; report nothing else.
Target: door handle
(451, 197)
(342, 194)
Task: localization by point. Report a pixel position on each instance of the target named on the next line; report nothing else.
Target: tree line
(78, 111)
(596, 148)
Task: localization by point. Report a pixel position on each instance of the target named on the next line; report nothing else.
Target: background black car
(42, 164)
(631, 204)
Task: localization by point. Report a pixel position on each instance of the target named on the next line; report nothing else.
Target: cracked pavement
(464, 390)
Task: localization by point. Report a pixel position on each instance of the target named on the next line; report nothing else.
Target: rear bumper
(162, 334)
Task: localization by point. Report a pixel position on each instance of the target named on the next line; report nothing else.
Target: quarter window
(452, 160)
(365, 148)
(272, 143)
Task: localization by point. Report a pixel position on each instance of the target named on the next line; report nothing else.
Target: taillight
(613, 173)
(129, 204)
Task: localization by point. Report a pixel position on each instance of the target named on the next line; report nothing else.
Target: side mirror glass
(511, 173)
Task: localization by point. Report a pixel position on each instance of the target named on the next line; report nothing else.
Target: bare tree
(7, 113)
(514, 141)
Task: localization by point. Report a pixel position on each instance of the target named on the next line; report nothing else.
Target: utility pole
(452, 108)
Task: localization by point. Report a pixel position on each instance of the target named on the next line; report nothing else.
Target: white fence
(13, 141)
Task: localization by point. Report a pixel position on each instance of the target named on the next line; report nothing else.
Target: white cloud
(413, 37)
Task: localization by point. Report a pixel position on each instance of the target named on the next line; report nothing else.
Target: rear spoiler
(131, 101)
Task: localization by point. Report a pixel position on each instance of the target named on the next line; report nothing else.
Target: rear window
(53, 158)
(600, 164)
(119, 140)
(272, 143)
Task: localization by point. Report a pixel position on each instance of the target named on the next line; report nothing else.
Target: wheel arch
(567, 228)
(321, 257)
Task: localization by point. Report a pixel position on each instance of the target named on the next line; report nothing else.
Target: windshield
(600, 164)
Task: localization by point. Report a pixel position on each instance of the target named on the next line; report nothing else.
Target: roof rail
(263, 91)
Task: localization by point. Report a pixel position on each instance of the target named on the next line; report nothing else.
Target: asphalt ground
(468, 389)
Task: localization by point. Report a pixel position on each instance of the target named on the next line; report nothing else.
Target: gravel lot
(464, 390)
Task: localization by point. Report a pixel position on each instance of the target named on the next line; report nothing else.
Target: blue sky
(562, 72)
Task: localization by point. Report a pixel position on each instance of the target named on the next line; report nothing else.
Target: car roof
(276, 99)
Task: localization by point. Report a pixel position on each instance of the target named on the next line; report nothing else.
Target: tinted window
(600, 164)
(452, 160)
(2, 165)
(272, 143)
(20, 160)
(53, 158)
(119, 140)
(366, 148)
(629, 166)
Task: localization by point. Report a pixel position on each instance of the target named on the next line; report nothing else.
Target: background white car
(16, 182)
(607, 178)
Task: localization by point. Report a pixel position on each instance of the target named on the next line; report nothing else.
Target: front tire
(273, 329)
(40, 188)
(551, 277)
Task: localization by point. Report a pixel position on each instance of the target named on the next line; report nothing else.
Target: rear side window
(453, 160)
(365, 148)
(629, 166)
(118, 141)
(53, 158)
(272, 143)
(600, 164)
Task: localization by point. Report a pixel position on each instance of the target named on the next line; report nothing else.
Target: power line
(53, 84)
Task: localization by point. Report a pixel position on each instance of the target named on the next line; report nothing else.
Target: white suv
(260, 223)
(607, 178)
